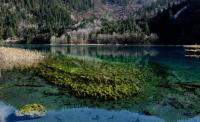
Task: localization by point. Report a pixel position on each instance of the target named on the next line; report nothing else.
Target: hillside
(76, 21)
(180, 24)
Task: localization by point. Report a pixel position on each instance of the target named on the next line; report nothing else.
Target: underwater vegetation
(95, 79)
(131, 84)
(32, 110)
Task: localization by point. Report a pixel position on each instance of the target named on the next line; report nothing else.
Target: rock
(13, 40)
(31, 110)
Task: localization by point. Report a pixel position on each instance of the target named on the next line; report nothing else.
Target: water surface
(64, 107)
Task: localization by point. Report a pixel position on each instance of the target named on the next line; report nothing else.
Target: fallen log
(192, 85)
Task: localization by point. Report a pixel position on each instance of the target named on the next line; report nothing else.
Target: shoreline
(159, 45)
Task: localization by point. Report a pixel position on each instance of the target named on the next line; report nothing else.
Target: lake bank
(79, 38)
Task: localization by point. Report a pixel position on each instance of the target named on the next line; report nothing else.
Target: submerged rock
(31, 110)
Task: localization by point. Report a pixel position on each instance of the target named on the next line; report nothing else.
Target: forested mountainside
(180, 24)
(78, 21)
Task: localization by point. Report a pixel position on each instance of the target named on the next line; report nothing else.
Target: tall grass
(19, 58)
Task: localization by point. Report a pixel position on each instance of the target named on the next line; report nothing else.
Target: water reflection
(169, 55)
(192, 51)
(127, 54)
(117, 51)
(186, 68)
(114, 51)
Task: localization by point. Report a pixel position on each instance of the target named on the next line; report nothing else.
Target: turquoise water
(62, 107)
(176, 57)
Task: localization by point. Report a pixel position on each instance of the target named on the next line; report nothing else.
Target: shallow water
(86, 115)
(64, 107)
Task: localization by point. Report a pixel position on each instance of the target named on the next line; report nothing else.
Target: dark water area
(183, 61)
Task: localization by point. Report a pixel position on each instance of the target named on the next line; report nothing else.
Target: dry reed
(19, 58)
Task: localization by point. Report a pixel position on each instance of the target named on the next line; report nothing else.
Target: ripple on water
(88, 115)
(93, 115)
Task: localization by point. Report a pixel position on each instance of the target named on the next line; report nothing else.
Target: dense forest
(41, 19)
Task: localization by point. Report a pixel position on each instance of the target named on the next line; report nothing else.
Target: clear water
(62, 107)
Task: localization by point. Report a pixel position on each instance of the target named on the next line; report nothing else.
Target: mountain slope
(39, 20)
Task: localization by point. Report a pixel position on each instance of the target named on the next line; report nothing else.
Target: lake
(183, 62)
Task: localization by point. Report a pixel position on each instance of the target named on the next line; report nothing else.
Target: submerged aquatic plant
(97, 80)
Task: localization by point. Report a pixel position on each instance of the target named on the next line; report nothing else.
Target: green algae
(32, 110)
(98, 80)
(32, 107)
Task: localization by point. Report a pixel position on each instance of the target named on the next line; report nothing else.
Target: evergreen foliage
(30, 18)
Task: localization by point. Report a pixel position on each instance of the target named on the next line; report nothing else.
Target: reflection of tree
(114, 53)
(192, 51)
